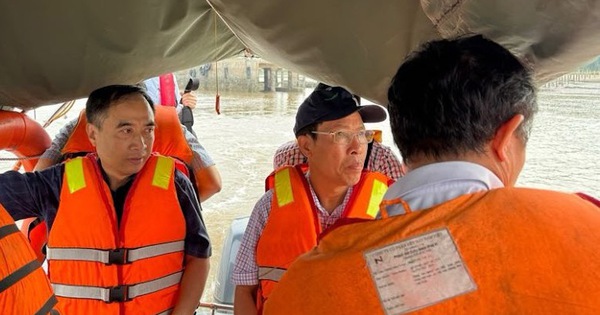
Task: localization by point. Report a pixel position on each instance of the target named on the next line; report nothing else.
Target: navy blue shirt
(37, 194)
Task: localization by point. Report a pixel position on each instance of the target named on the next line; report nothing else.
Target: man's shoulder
(536, 198)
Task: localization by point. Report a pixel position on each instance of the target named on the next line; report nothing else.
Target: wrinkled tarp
(52, 51)
(360, 44)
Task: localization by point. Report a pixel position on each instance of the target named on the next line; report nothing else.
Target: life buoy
(23, 136)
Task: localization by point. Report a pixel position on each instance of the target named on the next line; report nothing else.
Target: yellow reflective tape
(74, 173)
(379, 189)
(283, 187)
(162, 172)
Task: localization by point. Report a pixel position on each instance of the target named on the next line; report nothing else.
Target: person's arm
(245, 270)
(208, 178)
(197, 248)
(208, 181)
(53, 154)
(33, 194)
(192, 285)
(245, 300)
(189, 99)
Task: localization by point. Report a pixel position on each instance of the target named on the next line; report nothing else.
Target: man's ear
(305, 144)
(504, 135)
(92, 133)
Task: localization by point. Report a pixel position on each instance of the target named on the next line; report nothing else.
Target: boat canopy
(53, 51)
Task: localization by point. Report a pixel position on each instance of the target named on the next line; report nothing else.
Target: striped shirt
(245, 271)
(381, 159)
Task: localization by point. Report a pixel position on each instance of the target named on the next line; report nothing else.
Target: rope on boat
(19, 158)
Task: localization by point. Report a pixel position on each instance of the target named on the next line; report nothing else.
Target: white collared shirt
(433, 184)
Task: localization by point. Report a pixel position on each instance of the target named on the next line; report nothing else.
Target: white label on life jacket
(418, 272)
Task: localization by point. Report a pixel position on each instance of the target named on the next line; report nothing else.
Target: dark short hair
(308, 130)
(102, 99)
(451, 96)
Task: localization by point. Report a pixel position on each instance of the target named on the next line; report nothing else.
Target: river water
(561, 153)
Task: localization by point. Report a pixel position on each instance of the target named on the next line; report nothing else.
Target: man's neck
(113, 182)
(329, 197)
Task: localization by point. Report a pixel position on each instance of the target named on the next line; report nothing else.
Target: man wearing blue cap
(307, 199)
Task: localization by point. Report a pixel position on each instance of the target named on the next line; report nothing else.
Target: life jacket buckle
(118, 294)
(117, 256)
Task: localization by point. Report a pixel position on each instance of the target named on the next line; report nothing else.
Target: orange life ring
(22, 136)
(25, 138)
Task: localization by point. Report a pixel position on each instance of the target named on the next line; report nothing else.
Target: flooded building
(245, 74)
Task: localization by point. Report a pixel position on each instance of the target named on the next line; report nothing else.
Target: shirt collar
(432, 184)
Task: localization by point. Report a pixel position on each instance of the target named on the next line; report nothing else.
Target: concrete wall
(244, 74)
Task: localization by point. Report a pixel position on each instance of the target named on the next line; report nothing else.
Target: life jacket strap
(120, 293)
(47, 308)
(8, 230)
(270, 273)
(18, 274)
(117, 256)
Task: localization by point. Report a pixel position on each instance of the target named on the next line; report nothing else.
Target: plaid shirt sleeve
(245, 270)
(58, 143)
(288, 154)
(384, 161)
(200, 157)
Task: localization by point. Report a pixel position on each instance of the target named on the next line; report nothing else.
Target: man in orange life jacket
(304, 201)
(127, 220)
(24, 288)
(162, 90)
(456, 236)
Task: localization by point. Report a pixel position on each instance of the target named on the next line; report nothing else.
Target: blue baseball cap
(327, 103)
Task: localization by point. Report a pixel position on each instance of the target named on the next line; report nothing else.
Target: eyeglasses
(345, 137)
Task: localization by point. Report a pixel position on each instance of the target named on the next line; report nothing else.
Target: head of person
(465, 99)
(330, 132)
(121, 128)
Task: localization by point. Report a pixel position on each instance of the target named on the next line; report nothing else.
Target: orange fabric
(527, 251)
(22, 136)
(36, 232)
(168, 136)
(86, 219)
(28, 295)
(78, 141)
(293, 229)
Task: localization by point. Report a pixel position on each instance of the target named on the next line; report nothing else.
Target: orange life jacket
(505, 251)
(293, 225)
(24, 288)
(168, 140)
(97, 266)
(168, 137)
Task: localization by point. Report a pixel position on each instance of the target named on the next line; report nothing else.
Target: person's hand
(189, 100)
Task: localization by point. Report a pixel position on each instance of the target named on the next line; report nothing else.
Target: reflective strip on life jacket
(162, 172)
(283, 187)
(115, 256)
(377, 193)
(120, 293)
(75, 177)
(270, 273)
